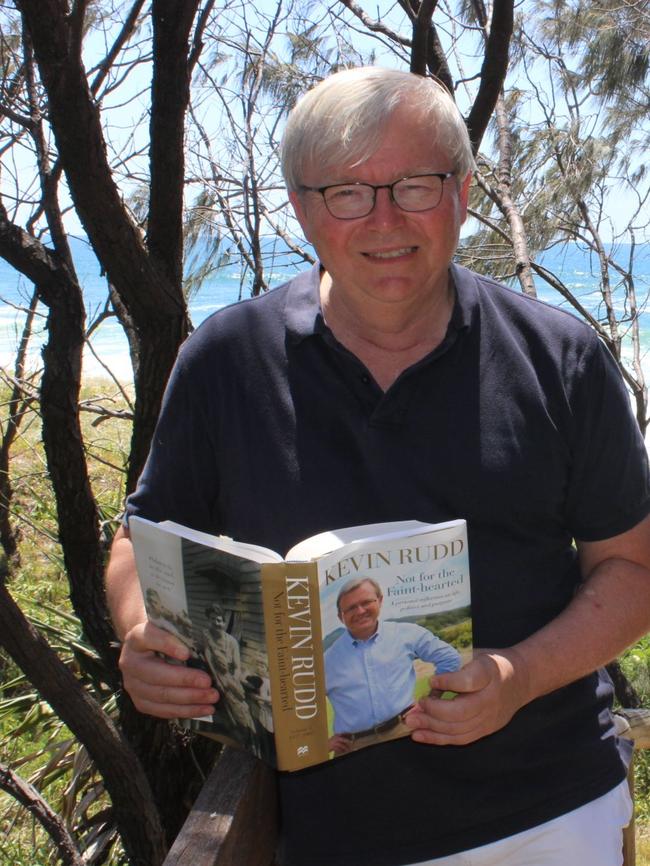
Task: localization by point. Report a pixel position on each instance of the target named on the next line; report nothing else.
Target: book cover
(322, 652)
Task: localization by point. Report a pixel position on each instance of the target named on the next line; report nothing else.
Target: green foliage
(452, 626)
(204, 253)
(635, 664)
(612, 41)
(33, 741)
(43, 752)
(459, 635)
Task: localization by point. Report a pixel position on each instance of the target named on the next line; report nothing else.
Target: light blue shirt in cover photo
(371, 681)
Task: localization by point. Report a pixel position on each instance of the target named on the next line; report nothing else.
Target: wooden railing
(634, 725)
(234, 821)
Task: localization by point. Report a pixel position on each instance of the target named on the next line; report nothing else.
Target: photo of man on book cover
(376, 667)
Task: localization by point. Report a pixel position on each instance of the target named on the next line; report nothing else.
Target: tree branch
(197, 41)
(375, 26)
(493, 70)
(172, 20)
(122, 37)
(74, 116)
(29, 797)
(122, 773)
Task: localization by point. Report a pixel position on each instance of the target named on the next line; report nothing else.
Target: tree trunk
(624, 690)
(147, 279)
(66, 459)
(153, 300)
(17, 406)
(493, 69)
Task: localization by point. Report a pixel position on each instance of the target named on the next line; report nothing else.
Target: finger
(142, 672)
(147, 637)
(458, 738)
(444, 723)
(173, 711)
(435, 717)
(171, 702)
(151, 669)
(436, 709)
(410, 711)
(472, 678)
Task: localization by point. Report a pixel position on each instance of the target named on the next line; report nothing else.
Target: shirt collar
(304, 317)
(373, 637)
(466, 301)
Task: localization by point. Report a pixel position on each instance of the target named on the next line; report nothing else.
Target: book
(323, 651)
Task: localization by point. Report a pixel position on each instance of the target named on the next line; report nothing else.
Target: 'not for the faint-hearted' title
(417, 555)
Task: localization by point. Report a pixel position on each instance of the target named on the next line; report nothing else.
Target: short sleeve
(609, 489)
(179, 481)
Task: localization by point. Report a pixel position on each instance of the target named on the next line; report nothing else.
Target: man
(387, 383)
(221, 652)
(369, 673)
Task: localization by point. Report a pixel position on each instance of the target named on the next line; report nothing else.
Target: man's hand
(490, 690)
(166, 689)
(339, 744)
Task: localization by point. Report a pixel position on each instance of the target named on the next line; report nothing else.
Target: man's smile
(390, 254)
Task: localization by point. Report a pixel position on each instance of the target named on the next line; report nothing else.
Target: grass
(32, 739)
(642, 845)
(636, 666)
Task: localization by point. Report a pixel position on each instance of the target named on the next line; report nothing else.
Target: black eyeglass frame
(443, 175)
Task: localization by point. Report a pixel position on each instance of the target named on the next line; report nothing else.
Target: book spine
(295, 650)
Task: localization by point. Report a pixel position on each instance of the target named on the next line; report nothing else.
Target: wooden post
(234, 821)
(629, 839)
(635, 726)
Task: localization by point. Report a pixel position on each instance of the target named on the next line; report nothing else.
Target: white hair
(350, 585)
(340, 122)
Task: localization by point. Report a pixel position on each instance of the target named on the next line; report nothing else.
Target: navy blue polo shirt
(518, 422)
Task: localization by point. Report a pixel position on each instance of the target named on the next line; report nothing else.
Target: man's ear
(301, 216)
(463, 197)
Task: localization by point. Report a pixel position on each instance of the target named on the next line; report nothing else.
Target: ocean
(109, 347)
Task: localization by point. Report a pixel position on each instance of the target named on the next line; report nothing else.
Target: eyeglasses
(351, 201)
(360, 605)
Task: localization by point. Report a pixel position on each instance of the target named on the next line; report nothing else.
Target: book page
(326, 542)
(222, 542)
(216, 598)
(160, 570)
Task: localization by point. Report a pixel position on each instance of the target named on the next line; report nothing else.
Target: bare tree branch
(375, 26)
(172, 20)
(493, 70)
(29, 797)
(133, 802)
(122, 37)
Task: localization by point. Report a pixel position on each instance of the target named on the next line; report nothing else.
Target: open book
(322, 652)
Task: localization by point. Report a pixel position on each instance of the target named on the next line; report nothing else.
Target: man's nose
(385, 211)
